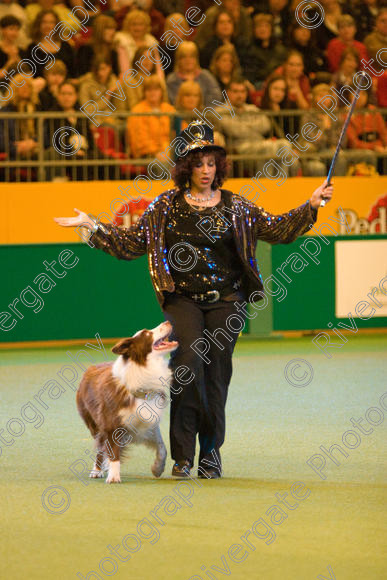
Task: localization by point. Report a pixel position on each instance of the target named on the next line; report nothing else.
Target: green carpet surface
(334, 529)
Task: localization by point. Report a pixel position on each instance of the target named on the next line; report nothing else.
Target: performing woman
(201, 242)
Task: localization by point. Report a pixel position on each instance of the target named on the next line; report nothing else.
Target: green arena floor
(334, 530)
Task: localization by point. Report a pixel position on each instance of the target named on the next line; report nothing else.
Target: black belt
(211, 296)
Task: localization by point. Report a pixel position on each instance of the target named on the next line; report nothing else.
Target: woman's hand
(82, 219)
(323, 192)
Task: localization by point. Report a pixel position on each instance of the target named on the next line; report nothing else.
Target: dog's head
(146, 342)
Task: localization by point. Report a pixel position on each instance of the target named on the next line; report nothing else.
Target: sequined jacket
(249, 222)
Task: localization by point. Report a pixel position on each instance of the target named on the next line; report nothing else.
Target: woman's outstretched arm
(286, 227)
(122, 243)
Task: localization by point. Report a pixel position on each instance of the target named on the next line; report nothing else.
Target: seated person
(240, 15)
(10, 53)
(346, 38)
(302, 39)
(18, 137)
(223, 35)
(187, 68)
(93, 86)
(249, 132)
(80, 141)
(349, 65)
(150, 136)
(264, 53)
(101, 45)
(54, 76)
(135, 33)
(225, 65)
(378, 38)
(297, 82)
(274, 98)
(367, 131)
(141, 59)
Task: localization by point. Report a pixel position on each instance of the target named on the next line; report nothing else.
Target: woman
(205, 304)
(100, 46)
(264, 53)
(80, 141)
(141, 59)
(298, 83)
(54, 77)
(302, 39)
(173, 36)
(95, 84)
(18, 137)
(135, 33)
(42, 26)
(224, 65)
(223, 35)
(149, 136)
(346, 39)
(274, 98)
(349, 65)
(187, 68)
(10, 53)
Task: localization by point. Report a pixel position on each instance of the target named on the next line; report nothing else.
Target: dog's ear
(123, 347)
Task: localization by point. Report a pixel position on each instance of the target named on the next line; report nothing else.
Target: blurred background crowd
(273, 69)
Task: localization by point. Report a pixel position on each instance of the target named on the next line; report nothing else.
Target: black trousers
(206, 343)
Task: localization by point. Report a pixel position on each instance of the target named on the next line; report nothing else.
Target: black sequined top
(249, 224)
(210, 261)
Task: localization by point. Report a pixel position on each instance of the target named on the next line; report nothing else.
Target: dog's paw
(96, 473)
(113, 479)
(157, 469)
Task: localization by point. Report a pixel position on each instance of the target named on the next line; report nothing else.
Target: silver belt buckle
(216, 296)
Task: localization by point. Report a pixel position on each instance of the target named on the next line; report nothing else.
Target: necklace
(199, 199)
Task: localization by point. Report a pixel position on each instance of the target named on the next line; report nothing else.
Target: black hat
(198, 136)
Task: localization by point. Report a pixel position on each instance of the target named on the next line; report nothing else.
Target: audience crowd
(147, 57)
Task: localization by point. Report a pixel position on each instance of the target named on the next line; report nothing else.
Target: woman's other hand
(323, 192)
(82, 219)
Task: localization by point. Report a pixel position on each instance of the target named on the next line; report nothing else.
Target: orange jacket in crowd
(149, 135)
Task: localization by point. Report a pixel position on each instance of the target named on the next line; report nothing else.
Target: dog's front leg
(161, 453)
(113, 453)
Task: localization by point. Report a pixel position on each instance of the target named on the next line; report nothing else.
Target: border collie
(130, 392)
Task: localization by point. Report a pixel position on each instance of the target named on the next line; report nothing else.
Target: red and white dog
(127, 394)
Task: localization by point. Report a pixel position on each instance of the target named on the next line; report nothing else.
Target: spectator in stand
(349, 65)
(249, 132)
(44, 23)
(94, 84)
(319, 154)
(280, 12)
(135, 33)
(150, 136)
(367, 130)
(297, 82)
(189, 97)
(10, 8)
(328, 29)
(240, 15)
(101, 45)
(302, 39)
(223, 35)
(264, 53)
(173, 36)
(135, 94)
(274, 98)
(60, 9)
(157, 18)
(81, 142)
(18, 137)
(224, 65)
(378, 38)
(10, 53)
(55, 77)
(364, 13)
(346, 39)
(187, 68)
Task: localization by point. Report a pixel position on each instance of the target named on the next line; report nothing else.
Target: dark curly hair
(181, 173)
